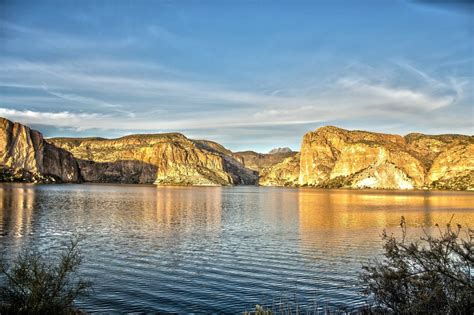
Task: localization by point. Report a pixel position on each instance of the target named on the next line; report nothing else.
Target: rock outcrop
(26, 156)
(260, 161)
(285, 173)
(331, 157)
(168, 159)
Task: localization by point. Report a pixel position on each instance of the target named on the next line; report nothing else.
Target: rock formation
(285, 173)
(331, 157)
(260, 161)
(170, 159)
(26, 156)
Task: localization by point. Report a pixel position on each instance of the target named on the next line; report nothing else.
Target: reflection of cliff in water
(335, 221)
(16, 210)
(320, 209)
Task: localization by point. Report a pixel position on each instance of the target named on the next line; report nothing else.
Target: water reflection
(178, 207)
(342, 209)
(216, 249)
(16, 210)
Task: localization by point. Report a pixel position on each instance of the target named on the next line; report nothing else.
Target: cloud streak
(156, 101)
(62, 119)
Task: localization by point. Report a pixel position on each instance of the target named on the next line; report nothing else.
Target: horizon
(247, 75)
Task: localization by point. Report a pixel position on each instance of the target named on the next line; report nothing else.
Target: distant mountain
(280, 150)
(259, 161)
(330, 157)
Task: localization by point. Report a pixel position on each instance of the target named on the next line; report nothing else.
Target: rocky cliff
(26, 156)
(260, 161)
(157, 158)
(285, 173)
(332, 157)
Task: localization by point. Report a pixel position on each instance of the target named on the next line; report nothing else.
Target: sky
(251, 75)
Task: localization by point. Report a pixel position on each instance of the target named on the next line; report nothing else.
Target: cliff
(26, 156)
(260, 161)
(156, 158)
(285, 173)
(331, 157)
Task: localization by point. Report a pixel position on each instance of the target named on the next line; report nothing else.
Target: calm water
(217, 249)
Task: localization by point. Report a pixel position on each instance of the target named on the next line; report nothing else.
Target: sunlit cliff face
(331, 157)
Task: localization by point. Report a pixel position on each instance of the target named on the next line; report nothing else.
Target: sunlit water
(218, 249)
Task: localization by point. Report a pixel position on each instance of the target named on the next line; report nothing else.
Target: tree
(430, 276)
(32, 284)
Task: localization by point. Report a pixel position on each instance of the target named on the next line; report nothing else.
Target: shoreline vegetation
(433, 274)
(329, 157)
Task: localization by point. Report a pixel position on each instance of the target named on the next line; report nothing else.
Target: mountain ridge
(330, 157)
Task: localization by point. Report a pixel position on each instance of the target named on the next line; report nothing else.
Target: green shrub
(33, 284)
(430, 276)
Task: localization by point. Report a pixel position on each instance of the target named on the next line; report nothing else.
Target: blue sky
(248, 74)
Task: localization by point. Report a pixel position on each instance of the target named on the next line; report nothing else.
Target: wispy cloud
(398, 98)
(160, 101)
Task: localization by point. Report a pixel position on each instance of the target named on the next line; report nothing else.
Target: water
(218, 249)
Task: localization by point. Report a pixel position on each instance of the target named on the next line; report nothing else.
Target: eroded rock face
(160, 158)
(260, 161)
(26, 156)
(331, 157)
(285, 173)
(453, 168)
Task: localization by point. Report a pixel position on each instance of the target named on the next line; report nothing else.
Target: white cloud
(62, 119)
(404, 98)
(158, 98)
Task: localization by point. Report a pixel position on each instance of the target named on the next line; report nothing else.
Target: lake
(218, 249)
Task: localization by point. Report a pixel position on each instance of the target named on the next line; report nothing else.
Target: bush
(430, 276)
(32, 284)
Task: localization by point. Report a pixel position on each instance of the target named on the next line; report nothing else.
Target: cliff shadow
(121, 171)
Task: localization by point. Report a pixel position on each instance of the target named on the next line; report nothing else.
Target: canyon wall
(170, 159)
(332, 157)
(26, 156)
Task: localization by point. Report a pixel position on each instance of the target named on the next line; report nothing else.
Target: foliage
(33, 284)
(429, 276)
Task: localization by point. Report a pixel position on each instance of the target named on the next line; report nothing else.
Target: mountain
(168, 158)
(285, 173)
(332, 157)
(26, 156)
(259, 161)
(280, 150)
(160, 158)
